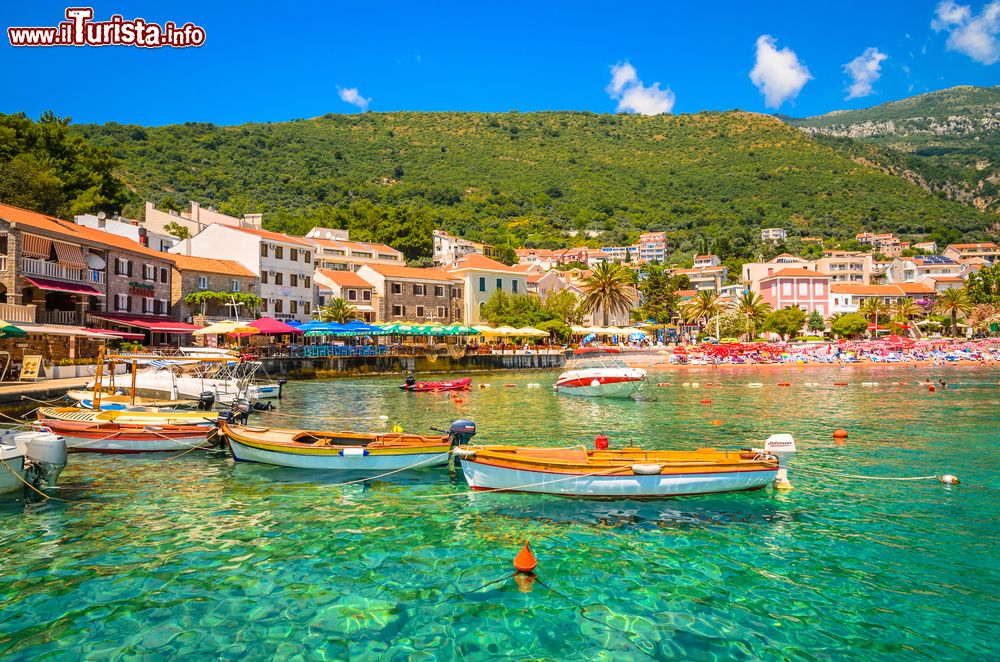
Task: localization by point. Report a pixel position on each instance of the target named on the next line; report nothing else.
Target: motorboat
(344, 450)
(30, 457)
(414, 386)
(113, 437)
(120, 401)
(595, 373)
(132, 416)
(626, 472)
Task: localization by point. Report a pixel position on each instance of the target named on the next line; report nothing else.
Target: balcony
(32, 267)
(95, 276)
(12, 312)
(60, 317)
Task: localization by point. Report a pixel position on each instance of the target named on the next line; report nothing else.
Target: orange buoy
(662, 384)
(706, 402)
(931, 388)
(482, 386)
(716, 422)
(525, 560)
(840, 433)
(457, 400)
(840, 383)
(510, 385)
(783, 384)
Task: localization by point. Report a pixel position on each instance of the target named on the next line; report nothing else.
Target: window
(366, 295)
(397, 288)
(456, 293)
(420, 311)
(418, 290)
(279, 278)
(306, 257)
(305, 307)
(513, 286)
(147, 305)
(122, 302)
(263, 249)
(263, 277)
(438, 290)
(803, 289)
(305, 281)
(293, 307)
(786, 289)
(352, 295)
(148, 272)
(482, 283)
(123, 267)
(440, 312)
(202, 282)
(279, 252)
(293, 254)
(293, 280)
(263, 305)
(164, 275)
(279, 306)
(499, 284)
(398, 311)
(234, 285)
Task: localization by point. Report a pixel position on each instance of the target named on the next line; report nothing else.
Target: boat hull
(9, 482)
(619, 389)
(371, 463)
(488, 477)
(113, 438)
(431, 387)
(127, 417)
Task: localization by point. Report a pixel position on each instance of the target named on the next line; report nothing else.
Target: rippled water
(199, 557)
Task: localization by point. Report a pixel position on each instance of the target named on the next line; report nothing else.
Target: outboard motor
(461, 432)
(409, 381)
(206, 401)
(263, 405)
(46, 455)
(242, 409)
(281, 382)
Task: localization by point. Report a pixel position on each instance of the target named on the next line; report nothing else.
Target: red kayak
(428, 387)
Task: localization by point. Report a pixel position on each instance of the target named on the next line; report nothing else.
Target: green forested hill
(948, 141)
(711, 179)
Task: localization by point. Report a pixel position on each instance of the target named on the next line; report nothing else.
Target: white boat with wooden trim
(32, 457)
(338, 451)
(86, 437)
(597, 374)
(117, 401)
(627, 472)
(136, 416)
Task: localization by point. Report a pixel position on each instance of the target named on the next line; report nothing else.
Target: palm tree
(952, 302)
(752, 308)
(905, 310)
(608, 288)
(338, 311)
(705, 306)
(872, 308)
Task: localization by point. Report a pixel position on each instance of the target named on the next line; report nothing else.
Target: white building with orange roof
(753, 272)
(848, 297)
(283, 264)
(411, 294)
(988, 251)
(349, 286)
(335, 250)
(484, 277)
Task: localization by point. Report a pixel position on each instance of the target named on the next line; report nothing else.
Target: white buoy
(686, 384)
(949, 479)
(755, 385)
(533, 385)
(695, 384)
(383, 417)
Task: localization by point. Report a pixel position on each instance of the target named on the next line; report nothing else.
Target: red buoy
(840, 433)
(840, 383)
(783, 384)
(706, 402)
(525, 560)
(601, 442)
(716, 422)
(931, 388)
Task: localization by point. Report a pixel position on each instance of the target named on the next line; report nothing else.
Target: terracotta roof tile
(211, 266)
(479, 262)
(273, 236)
(344, 278)
(414, 273)
(796, 271)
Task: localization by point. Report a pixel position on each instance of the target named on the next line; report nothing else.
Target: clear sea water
(196, 557)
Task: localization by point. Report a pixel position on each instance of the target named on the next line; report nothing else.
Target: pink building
(801, 288)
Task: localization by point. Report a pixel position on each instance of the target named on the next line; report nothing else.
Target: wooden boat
(626, 472)
(143, 416)
(463, 384)
(112, 402)
(342, 451)
(87, 437)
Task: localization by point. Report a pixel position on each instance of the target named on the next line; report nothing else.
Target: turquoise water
(199, 557)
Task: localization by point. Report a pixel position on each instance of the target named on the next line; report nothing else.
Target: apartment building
(917, 268)
(800, 288)
(482, 278)
(448, 248)
(987, 251)
(195, 219)
(335, 251)
(754, 272)
(652, 247)
(410, 294)
(773, 235)
(221, 277)
(847, 267)
(128, 228)
(349, 286)
(283, 265)
(848, 297)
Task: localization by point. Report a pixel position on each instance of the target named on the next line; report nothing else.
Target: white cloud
(864, 70)
(633, 96)
(977, 36)
(778, 74)
(351, 96)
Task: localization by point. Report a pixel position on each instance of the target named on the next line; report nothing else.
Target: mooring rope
(20, 478)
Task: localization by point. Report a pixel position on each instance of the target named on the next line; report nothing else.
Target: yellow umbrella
(228, 327)
(487, 330)
(526, 331)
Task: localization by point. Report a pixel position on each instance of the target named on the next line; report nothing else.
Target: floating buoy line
(944, 479)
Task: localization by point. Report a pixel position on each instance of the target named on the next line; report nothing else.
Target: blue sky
(278, 61)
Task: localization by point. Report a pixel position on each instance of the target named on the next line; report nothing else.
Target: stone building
(205, 274)
(409, 294)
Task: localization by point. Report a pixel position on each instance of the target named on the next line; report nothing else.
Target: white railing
(12, 312)
(3, 263)
(95, 276)
(34, 267)
(60, 317)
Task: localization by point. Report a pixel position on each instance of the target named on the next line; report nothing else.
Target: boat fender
(353, 452)
(646, 469)
(783, 384)
(595, 383)
(533, 385)
(464, 453)
(755, 385)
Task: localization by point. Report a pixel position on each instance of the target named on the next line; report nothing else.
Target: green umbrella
(8, 330)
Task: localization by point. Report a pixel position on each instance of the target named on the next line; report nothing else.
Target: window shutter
(128, 304)
(128, 265)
